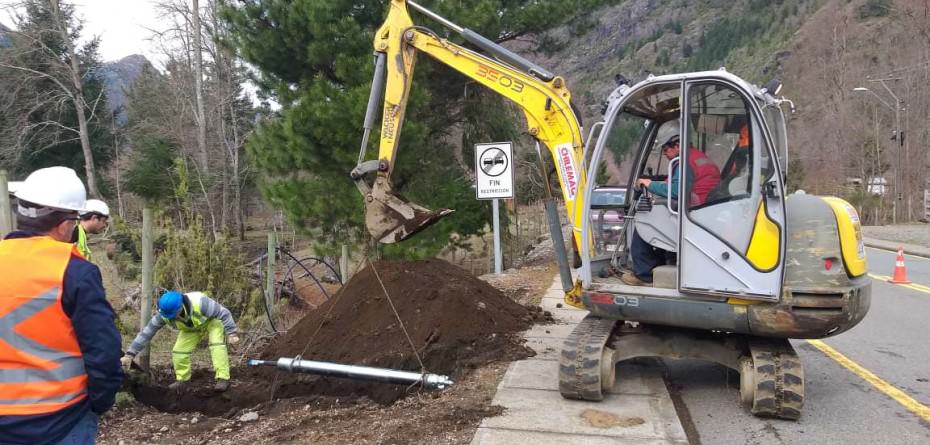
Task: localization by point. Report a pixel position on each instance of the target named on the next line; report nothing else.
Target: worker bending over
(193, 314)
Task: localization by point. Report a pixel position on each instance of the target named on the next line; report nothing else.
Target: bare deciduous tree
(59, 68)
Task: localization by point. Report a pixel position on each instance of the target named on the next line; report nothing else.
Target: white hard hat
(96, 206)
(12, 186)
(55, 187)
(667, 131)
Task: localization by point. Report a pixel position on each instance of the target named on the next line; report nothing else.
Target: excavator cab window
(610, 201)
(721, 159)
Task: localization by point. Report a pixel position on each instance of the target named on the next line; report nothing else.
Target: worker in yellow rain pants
(193, 315)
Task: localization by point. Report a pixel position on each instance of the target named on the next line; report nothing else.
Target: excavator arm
(544, 99)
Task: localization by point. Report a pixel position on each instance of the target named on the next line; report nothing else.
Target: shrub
(873, 8)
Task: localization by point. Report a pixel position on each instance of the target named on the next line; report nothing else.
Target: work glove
(126, 361)
(233, 339)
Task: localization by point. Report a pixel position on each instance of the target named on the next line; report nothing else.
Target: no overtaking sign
(494, 170)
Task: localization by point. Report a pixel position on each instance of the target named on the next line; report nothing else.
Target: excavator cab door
(732, 218)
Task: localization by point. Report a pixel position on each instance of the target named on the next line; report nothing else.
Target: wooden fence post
(148, 278)
(6, 215)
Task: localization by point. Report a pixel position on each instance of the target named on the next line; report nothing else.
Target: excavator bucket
(391, 218)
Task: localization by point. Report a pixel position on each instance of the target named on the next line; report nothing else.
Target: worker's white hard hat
(57, 188)
(13, 186)
(96, 206)
(667, 130)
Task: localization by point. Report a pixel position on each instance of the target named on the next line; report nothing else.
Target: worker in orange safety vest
(59, 346)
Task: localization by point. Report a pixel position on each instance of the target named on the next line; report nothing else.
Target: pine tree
(315, 59)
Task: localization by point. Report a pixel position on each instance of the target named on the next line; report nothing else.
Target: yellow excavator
(742, 266)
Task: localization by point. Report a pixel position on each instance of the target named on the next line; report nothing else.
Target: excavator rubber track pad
(580, 362)
(779, 379)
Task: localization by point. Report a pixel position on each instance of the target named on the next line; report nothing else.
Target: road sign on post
(494, 180)
(494, 170)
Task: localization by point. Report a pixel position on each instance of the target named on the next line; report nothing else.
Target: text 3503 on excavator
(748, 267)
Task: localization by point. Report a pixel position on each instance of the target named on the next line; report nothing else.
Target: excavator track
(777, 380)
(586, 364)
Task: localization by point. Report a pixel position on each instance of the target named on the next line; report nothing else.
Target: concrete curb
(910, 249)
(637, 410)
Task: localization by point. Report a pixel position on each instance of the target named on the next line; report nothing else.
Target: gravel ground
(918, 234)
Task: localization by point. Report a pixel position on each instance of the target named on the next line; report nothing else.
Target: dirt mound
(456, 321)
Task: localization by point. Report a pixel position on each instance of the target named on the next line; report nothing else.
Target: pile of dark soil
(455, 321)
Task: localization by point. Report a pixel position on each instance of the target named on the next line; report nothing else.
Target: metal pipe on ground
(433, 381)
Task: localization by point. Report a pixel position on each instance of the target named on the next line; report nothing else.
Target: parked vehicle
(607, 213)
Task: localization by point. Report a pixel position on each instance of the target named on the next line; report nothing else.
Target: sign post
(494, 181)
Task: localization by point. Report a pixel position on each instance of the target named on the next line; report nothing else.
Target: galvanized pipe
(356, 372)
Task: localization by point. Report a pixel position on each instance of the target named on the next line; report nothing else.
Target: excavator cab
(724, 222)
(748, 267)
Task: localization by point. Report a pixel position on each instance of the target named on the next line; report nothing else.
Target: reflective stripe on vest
(197, 318)
(41, 366)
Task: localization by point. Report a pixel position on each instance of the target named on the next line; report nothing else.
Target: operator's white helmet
(57, 188)
(96, 206)
(667, 130)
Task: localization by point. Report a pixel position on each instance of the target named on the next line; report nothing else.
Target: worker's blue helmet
(170, 304)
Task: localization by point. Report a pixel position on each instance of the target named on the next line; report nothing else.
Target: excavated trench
(456, 321)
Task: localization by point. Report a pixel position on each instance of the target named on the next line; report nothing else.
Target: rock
(122, 442)
(482, 306)
(163, 429)
(249, 417)
(195, 420)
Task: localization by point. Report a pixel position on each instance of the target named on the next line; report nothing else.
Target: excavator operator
(702, 175)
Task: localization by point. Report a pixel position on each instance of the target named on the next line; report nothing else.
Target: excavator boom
(542, 96)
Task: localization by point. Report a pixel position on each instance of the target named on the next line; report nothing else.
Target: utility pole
(898, 138)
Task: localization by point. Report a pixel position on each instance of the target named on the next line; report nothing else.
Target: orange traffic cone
(900, 272)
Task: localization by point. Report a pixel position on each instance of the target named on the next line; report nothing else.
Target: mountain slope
(821, 49)
(119, 77)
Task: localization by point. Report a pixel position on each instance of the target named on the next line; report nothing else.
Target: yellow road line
(916, 257)
(899, 396)
(913, 286)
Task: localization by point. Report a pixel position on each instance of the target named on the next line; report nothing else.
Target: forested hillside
(822, 50)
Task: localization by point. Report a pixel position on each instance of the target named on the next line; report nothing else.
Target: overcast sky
(123, 25)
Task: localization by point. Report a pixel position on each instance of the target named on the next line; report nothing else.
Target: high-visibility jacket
(41, 365)
(82, 242)
(198, 310)
(705, 173)
(196, 320)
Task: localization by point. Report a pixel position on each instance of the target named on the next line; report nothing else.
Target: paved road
(893, 342)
